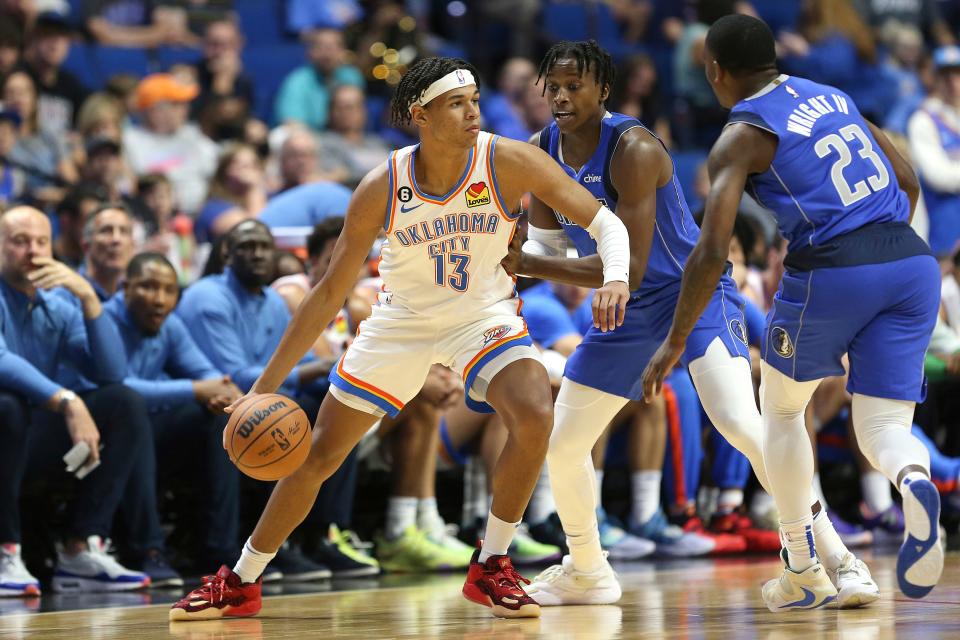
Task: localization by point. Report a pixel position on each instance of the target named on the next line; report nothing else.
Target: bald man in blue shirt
(40, 419)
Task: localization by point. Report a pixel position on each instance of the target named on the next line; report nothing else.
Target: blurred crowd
(174, 175)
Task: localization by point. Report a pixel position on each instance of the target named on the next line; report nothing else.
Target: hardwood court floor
(699, 599)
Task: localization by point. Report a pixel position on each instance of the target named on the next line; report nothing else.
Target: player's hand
(442, 388)
(512, 263)
(610, 305)
(659, 367)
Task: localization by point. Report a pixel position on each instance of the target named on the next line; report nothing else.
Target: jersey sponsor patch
(495, 333)
(477, 194)
(781, 343)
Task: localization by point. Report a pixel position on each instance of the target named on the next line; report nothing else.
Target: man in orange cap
(166, 143)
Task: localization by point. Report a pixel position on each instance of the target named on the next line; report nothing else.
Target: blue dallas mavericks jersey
(675, 232)
(613, 361)
(829, 176)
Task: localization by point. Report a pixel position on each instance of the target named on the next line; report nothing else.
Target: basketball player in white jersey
(446, 206)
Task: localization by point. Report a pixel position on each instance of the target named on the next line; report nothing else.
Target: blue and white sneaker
(619, 544)
(95, 570)
(15, 579)
(670, 539)
(920, 560)
(808, 589)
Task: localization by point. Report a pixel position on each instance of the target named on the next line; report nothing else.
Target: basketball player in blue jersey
(446, 300)
(857, 280)
(626, 167)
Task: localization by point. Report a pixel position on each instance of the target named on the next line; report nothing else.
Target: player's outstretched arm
(741, 150)
(639, 167)
(906, 176)
(364, 219)
(523, 167)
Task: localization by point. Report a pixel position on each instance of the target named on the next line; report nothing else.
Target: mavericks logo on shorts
(780, 340)
(494, 334)
(739, 330)
(477, 194)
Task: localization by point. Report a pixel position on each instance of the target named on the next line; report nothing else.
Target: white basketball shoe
(562, 584)
(920, 560)
(855, 586)
(807, 589)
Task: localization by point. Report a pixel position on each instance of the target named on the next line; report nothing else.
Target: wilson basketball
(269, 437)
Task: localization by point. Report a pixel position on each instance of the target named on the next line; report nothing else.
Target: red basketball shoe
(222, 595)
(758, 540)
(727, 543)
(496, 584)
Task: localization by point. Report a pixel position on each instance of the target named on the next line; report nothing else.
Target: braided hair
(418, 78)
(589, 56)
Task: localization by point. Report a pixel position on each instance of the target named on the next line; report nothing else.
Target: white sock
(599, 474)
(729, 500)
(497, 538)
(585, 550)
(830, 547)
(876, 491)
(646, 494)
(401, 513)
(428, 516)
(798, 536)
(252, 563)
(818, 490)
(912, 476)
(541, 502)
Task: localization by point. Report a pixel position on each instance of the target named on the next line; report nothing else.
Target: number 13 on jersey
(458, 278)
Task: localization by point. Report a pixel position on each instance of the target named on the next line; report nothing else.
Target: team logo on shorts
(780, 340)
(477, 194)
(495, 333)
(739, 330)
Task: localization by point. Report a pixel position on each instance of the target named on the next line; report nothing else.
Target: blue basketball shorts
(614, 361)
(881, 315)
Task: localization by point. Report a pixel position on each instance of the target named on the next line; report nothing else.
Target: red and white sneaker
(496, 584)
(222, 595)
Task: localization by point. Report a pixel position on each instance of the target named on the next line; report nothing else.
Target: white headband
(453, 80)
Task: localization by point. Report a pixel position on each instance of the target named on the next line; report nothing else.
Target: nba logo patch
(477, 194)
(495, 333)
(460, 77)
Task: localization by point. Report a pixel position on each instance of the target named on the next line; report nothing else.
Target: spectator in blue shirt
(108, 246)
(40, 419)
(304, 96)
(237, 322)
(306, 205)
(185, 395)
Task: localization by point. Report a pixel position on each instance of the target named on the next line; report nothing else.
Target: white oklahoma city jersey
(442, 253)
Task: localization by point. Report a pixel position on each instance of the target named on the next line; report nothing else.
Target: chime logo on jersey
(495, 333)
(477, 194)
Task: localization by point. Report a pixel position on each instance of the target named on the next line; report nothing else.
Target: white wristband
(545, 242)
(613, 245)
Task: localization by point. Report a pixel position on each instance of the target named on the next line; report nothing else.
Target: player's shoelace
(551, 574)
(212, 590)
(511, 578)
